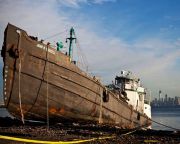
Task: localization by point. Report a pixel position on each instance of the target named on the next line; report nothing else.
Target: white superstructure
(130, 87)
(147, 110)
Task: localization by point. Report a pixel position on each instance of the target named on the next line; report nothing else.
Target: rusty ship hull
(38, 80)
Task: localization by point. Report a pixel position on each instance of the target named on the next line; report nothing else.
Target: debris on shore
(84, 133)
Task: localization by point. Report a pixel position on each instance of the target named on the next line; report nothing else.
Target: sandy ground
(84, 133)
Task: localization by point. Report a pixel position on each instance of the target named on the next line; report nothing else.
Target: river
(167, 116)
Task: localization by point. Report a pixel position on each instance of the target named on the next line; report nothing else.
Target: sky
(142, 36)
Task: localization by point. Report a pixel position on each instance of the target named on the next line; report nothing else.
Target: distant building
(177, 100)
(166, 101)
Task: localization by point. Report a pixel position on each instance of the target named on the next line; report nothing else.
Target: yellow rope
(53, 142)
(151, 141)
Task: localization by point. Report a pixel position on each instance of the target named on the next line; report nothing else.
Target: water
(170, 117)
(4, 112)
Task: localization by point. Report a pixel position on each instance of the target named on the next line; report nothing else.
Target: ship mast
(71, 38)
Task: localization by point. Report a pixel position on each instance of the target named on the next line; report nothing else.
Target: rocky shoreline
(82, 133)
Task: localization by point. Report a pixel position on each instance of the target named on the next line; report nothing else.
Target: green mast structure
(71, 38)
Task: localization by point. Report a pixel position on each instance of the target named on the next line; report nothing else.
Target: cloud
(77, 3)
(152, 59)
(72, 3)
(35, 17)
(102, 1)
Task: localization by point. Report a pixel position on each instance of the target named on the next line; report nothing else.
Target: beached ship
(41, 82)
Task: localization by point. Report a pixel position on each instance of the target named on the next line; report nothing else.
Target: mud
(75, 131)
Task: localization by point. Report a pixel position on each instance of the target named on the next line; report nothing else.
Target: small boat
(41, 82)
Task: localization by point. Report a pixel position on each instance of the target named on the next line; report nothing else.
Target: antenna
(160, 94)
(71, 38)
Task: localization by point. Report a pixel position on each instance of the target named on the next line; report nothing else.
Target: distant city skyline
(165, 100)
(162, 94)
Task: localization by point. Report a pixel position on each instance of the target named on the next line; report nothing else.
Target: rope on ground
(151, 141)
(129, 132)
(165, 125)
(54, 142)
(65, 142)
(62, 142)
